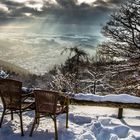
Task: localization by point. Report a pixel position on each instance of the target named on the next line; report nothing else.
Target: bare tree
(77, 59)
(104, 53)
(124, 31)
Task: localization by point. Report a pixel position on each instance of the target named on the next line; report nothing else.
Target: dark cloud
(100, 3)
(67, 11)
(20, 12)
(67, 3)
(116, 1)
(70, 12)
(12, 4)
(16, 11)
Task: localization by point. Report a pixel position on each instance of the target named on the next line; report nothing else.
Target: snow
(85, 123)
(122, 98)
(3, 74)
(26, 90)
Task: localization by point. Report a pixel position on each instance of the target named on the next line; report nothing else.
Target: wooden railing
(118, 105)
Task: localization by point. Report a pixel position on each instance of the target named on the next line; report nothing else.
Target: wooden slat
(105, 104)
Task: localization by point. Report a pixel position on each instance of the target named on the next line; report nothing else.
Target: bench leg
(120, 113)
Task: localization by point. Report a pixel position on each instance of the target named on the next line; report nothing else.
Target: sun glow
(86, 1)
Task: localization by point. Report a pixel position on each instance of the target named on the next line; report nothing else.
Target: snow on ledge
(122, 98)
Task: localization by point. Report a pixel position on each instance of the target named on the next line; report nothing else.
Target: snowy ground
(85, 123)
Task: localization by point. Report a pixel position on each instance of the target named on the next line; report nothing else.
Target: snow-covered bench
(118, 101)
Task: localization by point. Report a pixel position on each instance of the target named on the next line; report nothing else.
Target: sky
(33, 14)
(33, 33)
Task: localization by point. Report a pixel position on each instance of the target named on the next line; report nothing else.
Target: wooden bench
(118, 105)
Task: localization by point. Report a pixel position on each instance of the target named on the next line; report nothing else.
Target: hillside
(12, 68)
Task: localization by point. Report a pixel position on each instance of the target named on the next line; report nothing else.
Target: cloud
(3, 8)
(116, 1)
(67, 3)
(66, 11)
(101, 3)
(72, 13)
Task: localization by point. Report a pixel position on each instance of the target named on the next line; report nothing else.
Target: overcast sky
(75, 12)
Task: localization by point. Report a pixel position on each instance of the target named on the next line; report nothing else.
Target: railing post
(120, 113)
